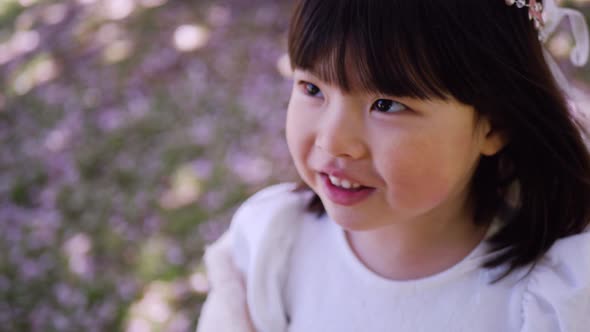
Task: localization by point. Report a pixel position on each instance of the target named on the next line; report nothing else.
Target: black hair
(484, 54)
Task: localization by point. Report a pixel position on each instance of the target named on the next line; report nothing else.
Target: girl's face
(413, 159)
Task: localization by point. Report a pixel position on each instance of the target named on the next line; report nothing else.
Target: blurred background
(129, 131)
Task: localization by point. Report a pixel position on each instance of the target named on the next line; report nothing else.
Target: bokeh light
(190, 37)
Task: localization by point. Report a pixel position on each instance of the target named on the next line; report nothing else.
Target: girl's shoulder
(557, 294)
(245, 264)
(262, 233)
(266, 215)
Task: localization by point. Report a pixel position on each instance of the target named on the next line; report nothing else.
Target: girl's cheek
(416, 177)
(299, 135)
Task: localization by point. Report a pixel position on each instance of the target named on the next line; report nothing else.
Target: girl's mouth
(344, 192)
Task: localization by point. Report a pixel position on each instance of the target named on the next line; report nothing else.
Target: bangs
(396, 47)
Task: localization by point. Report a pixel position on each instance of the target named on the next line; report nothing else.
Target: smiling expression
(412, 158)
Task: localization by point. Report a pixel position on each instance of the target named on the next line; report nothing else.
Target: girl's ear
(494, 140)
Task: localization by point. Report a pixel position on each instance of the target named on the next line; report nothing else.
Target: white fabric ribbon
(552, 16)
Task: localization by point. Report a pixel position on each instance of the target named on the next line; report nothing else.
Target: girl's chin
(348, 220)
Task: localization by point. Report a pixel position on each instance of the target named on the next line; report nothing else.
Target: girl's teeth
(335, 181)
(343, 183)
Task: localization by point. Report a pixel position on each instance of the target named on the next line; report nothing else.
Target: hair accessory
(547, 16)
(535, 10)
(553, 15)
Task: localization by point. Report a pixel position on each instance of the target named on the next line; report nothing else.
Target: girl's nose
(340, 133)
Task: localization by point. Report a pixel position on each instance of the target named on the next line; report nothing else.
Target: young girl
(446, 184)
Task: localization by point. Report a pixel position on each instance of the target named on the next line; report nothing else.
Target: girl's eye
(388, 106)
(311, 89)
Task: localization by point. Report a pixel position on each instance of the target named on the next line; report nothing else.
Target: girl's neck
(406, 251)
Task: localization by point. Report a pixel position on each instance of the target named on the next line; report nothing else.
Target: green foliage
(9, 11)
